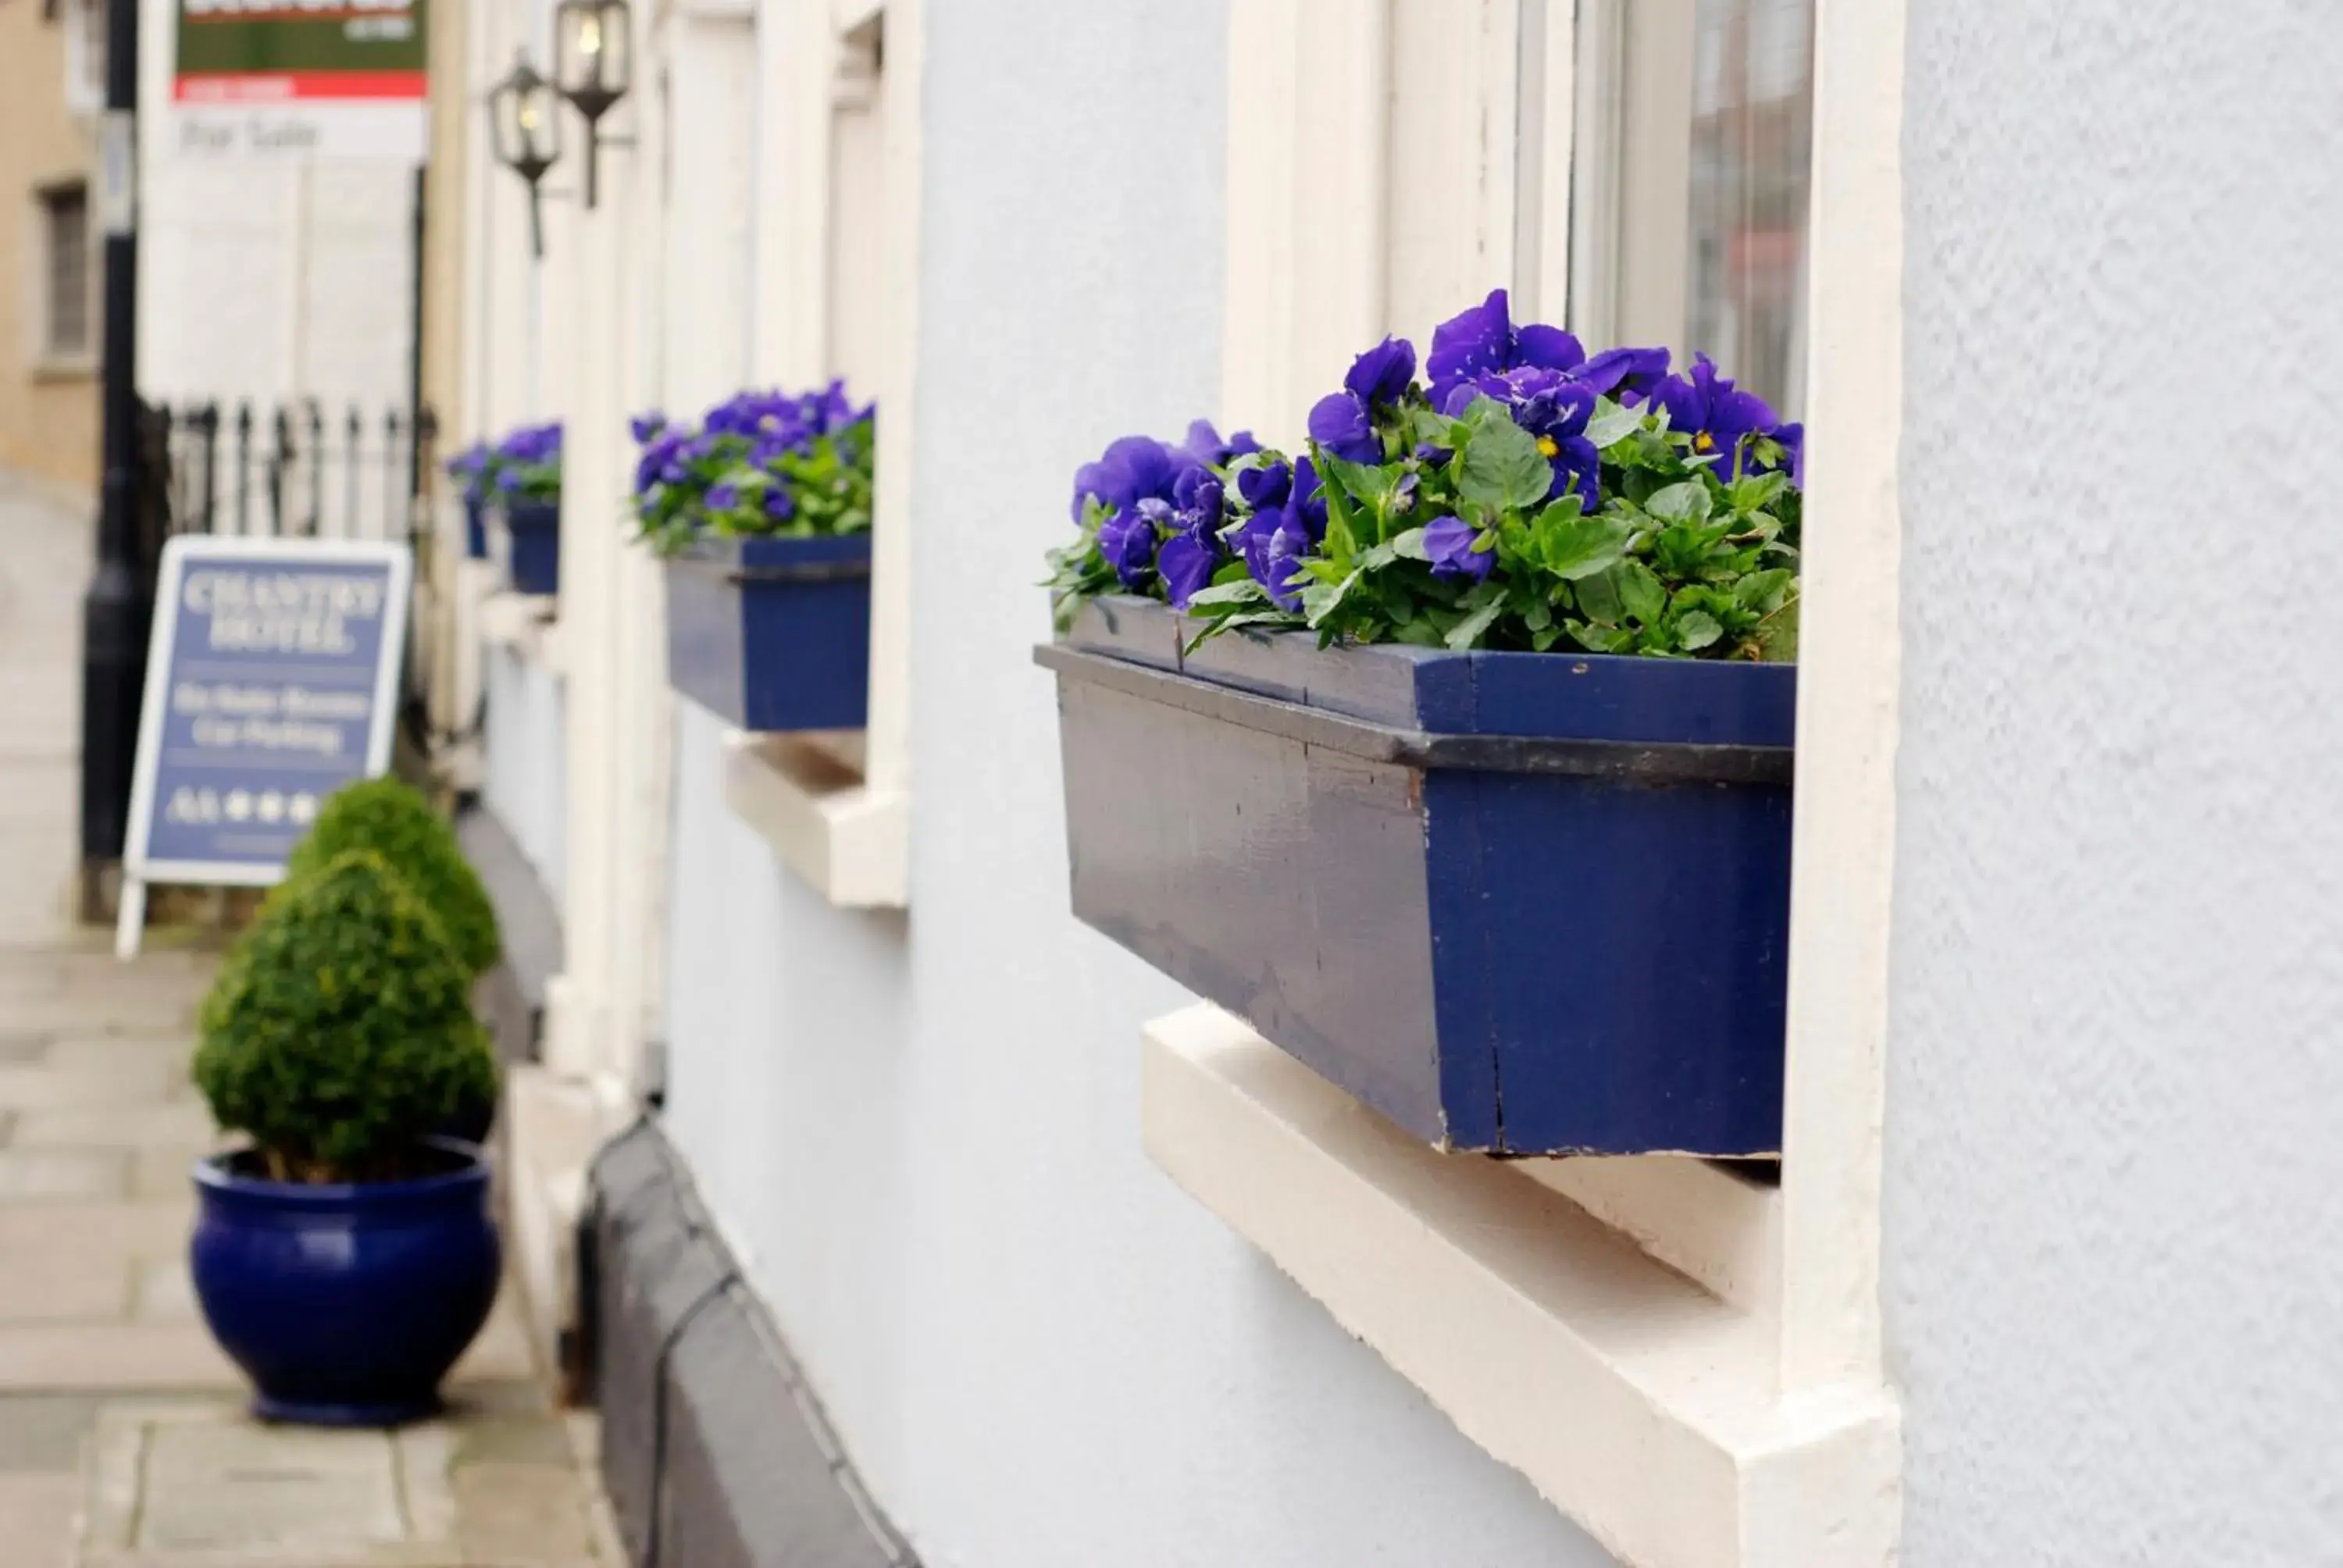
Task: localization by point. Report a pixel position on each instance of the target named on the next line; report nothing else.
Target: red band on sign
(298, 87)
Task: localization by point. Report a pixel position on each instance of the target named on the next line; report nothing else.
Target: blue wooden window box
(476, 529)
(772, 634)
(1520, 903)
(533, 532)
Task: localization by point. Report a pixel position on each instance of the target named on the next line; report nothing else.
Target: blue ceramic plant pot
(1517, 902)
(534, 530)
(346, 1305)
(772, 634)
(476, 529)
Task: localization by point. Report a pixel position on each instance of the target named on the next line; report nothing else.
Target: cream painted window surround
(528, 624)
(1685, 1361)
(837, 295)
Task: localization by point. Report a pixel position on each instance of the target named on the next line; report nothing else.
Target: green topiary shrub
(340, 1032)
(393, 819)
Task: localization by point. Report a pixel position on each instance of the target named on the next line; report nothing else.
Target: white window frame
(837, 810)
(49, 358)
(1796, 1266)
(85, 39)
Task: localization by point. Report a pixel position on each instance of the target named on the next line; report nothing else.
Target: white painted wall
(2112, 1176)
(924, 1133)
(523, 782)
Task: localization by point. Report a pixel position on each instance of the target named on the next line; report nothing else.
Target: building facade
(52, 60)
(1059, 1267)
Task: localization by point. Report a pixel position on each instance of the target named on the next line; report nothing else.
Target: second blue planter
(772, 634)
(534, 531)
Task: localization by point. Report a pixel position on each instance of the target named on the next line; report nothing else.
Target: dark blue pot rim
(217, 1182)
(1653, 762)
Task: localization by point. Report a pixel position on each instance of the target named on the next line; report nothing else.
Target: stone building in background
(52, 81)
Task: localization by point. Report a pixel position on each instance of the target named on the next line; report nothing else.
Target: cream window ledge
(528, 624)
(1646, 1405)
(806, 795)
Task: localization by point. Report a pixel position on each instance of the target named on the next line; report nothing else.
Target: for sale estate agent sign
(301, 78)
(271, 681)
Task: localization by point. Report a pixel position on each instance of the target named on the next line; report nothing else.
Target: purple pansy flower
(1716, 414)
(1265, 487)
(1449, 542)
(778, 505)
(657, 464)
(1482, 341)
(1627, 375)
(1133, 470)
(1205, 445)
(1128, 540)
(1344, 422)
(1284, 528)
(723, 496)
(646, 426)
(1555, 409)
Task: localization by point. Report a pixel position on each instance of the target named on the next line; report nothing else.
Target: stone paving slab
(37, 1519)
(176, 1123)
(62, 1288)
(198, 1484)
(44, 1431)
(46, 1085)
(28, 1175)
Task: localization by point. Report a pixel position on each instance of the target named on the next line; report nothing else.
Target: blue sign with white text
(269, 686)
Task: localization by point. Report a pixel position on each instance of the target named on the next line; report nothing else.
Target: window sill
(52, 369)
(1640, 1404)
(527, 624)
(851, 841)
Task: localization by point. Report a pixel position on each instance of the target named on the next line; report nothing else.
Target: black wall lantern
(526, 119)
(593, 59)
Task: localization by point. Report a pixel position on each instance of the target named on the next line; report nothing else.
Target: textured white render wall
(525, 745)
(926, 1136)
(2114, 1181)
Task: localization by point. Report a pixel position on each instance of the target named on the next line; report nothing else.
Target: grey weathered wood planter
(1526, 903)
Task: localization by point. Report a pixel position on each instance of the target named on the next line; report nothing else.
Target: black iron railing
(287, 470)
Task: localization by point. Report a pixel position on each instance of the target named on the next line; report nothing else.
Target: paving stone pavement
(124, 1437)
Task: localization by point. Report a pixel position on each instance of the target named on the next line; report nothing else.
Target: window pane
(68, 270)
(93, 47)
(1752, 155)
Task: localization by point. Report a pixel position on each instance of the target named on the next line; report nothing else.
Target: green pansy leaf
(1696, 629)
(1241, 590)
(1599, 598)
(1576, 548)
(1685, 501)
(1763, 591)
(1597, 638)
(1502, 468)
(1611, 424)
(1777, 634)
(1369, 484)
(1469, 631)
(1641, 591)
(1418, 633)
(1409, 544)
(1230, 622)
